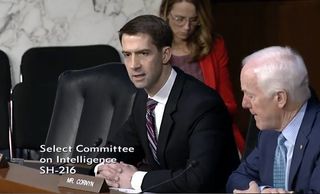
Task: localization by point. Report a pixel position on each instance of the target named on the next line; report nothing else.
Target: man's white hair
(280, 68)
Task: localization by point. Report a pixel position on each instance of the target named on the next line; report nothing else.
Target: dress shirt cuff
(263, 187)
(95, 170)
(136, 180)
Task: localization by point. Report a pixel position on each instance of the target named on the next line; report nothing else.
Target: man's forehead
(247, 72)
(139, 35)
(248, 77)
(143, 39)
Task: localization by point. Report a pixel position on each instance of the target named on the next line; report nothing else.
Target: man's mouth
(138, 76)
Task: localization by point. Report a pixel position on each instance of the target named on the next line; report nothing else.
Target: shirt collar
(290, 132)
(163, 94)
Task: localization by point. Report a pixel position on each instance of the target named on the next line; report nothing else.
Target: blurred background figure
(199, 51)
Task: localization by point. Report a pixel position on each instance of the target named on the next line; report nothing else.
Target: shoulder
(313, 105)
(218, 40)
(218, 44)
(195, 91)
(311, 120)
(267, 135)
(218, 50)
(312, 117)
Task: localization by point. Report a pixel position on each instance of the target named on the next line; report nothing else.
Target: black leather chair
(45, 64)
(32, 109)
(90, 104)
(33, 98)
(5, 86)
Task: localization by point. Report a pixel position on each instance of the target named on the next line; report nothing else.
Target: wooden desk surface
(17, 179)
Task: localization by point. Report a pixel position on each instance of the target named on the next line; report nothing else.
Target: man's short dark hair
(154, 26)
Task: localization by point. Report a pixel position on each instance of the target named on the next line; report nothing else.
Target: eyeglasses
(181, 20)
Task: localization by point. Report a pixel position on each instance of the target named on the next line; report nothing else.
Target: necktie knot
(281, 140)
(151, 104)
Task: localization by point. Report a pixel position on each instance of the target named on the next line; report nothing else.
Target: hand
(253, 188)
(126, 175)
(275, 190)
(117, 174)
(109, 172)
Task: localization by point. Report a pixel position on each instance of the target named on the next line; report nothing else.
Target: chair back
(90, 104)
(33, 98)
(5, 86)
(45, 64)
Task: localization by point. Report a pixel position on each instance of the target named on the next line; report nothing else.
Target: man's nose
(245, 103)
(134, 62)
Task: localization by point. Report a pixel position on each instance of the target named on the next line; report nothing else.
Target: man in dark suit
(192, 142)
(287, 156)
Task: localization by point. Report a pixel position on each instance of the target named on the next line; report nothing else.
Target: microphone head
(98, 142)
(193, 163)
(3, 162)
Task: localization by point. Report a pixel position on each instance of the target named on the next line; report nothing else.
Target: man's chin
(259, 126)
(139, 85)
(263, 128)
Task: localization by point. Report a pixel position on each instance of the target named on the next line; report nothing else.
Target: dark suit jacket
(304, 173)
(195, 127)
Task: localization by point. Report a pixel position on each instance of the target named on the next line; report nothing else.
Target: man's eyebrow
(138, 51)
(143, 50)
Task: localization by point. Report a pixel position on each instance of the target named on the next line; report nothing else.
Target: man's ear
(282, 98)
(166, 54)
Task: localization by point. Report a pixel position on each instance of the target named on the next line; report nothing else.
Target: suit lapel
(269, 150)
(301, 141)
(167, 120)
(140, 113)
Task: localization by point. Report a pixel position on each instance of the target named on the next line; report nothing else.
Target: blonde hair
(201, 41)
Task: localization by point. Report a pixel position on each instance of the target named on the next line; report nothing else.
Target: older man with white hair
(276, 91)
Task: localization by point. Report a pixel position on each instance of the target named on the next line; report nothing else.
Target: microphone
(3, 162)
(192, 164)
(97, 143)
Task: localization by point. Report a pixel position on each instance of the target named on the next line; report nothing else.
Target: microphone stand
(192, 164)
(10, 107)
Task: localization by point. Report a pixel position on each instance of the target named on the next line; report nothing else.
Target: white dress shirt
(161, 97)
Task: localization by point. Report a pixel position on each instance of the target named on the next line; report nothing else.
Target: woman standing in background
(199, 51)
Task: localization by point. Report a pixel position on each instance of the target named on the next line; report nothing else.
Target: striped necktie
(280, 163)
(151, 128)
